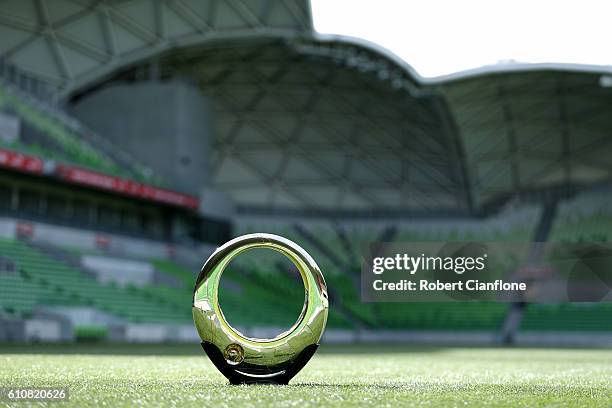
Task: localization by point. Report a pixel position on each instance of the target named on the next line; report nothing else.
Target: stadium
(138, 136)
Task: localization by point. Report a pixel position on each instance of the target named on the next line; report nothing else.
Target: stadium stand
(19, 296)
(41, 280)
(585, 218)
(340, 135)
(48, 137)
(261, 282)
(478, 316)
(596, 317)
(47, 281)
(66, 285)
(513, 224)
(232, 297)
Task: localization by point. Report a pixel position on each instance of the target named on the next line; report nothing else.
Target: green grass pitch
(380, 376)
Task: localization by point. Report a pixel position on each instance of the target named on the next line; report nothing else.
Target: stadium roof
(69, 43)
(306, 121)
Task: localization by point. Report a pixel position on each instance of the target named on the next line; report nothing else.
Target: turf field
(337, 376)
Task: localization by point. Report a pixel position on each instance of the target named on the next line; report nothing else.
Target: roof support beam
(565, 136)
(457, 152)
(513, 148)
(51, 39)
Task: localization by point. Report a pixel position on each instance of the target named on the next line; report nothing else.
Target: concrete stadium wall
(81, 315)
(11, 330)
(10, 128)
(39, 328)
(166, 125)
(146, 333)
(42, 330)
(88, 240)
(216, 204)
(564, 339)
(160, 333)
(507, 219)
(50, 325)
(120, 271)
(7, 228)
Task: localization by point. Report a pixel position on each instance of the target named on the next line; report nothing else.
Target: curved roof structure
(526, 130)
(298, 128)
(70, 43)
(305, 121)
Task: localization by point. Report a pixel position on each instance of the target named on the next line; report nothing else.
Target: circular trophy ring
(245, 359)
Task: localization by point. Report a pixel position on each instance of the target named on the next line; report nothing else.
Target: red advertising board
(118, 185)
(24, 230)
(30, 164)
(21, 162)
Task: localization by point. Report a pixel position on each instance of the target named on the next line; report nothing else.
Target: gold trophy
(245, 360)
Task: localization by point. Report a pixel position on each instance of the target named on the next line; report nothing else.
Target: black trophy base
(245, 373)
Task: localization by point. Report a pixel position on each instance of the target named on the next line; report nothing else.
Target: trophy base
(244, 373)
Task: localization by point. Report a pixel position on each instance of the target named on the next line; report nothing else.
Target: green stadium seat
(72, 147)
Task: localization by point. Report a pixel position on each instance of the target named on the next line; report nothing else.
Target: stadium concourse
(136, 136)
